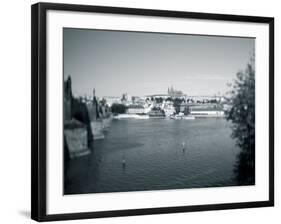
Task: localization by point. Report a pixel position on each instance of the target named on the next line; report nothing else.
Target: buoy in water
(123, 162)
(183, 144)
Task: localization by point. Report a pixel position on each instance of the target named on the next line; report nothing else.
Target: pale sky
(138, 63)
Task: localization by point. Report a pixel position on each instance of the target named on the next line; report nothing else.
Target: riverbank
(174, 117)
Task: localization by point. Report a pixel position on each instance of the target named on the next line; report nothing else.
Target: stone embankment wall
(84, 122)
(78, 135)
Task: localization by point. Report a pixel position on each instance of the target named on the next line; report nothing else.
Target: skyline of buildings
(171, 92)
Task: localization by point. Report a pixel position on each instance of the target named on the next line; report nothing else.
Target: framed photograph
(140, 111)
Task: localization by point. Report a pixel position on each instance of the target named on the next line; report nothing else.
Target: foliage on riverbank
(118, 108)
(242, 115)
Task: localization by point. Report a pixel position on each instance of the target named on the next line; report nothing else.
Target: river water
(156, 154)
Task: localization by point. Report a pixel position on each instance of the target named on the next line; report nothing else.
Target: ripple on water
(155, 158)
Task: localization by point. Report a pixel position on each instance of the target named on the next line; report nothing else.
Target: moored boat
(130, 116)
(188, 117)
(182, 117)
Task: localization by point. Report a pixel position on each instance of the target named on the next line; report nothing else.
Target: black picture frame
(39, 107)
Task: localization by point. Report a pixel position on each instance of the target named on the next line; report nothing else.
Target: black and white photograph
(146, 111)
(139, 111)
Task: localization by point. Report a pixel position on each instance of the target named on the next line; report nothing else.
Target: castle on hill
(174, 92)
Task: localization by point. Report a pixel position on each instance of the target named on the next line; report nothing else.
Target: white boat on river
(179, 117)
(130, 116)
(188, 117)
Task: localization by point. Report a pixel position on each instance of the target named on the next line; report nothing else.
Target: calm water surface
(155, 157)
